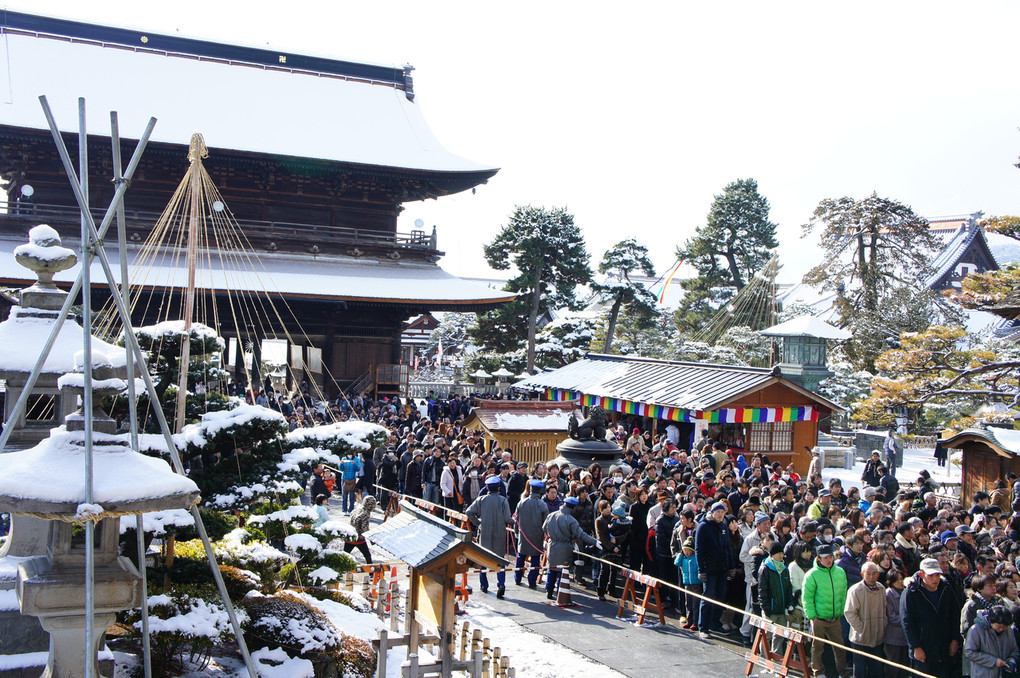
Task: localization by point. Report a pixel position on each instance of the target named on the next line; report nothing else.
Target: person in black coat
(388, 474)
(516, 486)
(413, 475)
(714, 552)
(367, 481)
(930, 613)
(663, 554)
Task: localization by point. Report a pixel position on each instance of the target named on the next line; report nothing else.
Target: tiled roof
(690, 386)
(1007, 440)
(951, 253)
(416, 537)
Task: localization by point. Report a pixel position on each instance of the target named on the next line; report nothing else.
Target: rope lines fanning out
(754, 306)
(233, 287)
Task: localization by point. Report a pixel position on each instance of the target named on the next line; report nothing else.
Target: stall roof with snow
(426, 542)
(530, 429)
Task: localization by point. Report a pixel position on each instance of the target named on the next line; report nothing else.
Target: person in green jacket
(824, 599)
(775, 591)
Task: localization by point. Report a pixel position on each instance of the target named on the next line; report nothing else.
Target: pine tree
(877, 258)
(732, 246)
(638, 303)
(548, 251)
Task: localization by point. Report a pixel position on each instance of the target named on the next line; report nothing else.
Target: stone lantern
(502, 374)
(22, 336)
(480, 376)
(48, 482)
(804, 349)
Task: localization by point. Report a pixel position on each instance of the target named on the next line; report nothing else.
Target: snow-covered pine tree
(734, 244)
(634, 299)
(548, 251)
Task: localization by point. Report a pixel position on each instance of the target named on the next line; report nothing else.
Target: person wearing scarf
(775, 591)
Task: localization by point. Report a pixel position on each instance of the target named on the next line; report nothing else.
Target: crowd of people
(890, 568)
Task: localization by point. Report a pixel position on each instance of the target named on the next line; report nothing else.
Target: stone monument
(587, 443)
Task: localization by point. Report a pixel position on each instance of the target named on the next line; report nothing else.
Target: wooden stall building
(746, 408)
(531, 429)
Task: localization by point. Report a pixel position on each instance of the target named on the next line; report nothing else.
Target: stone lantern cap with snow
(48, 480)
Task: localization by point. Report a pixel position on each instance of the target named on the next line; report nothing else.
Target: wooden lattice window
(771, 437)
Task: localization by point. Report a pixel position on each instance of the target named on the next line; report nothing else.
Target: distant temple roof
(240, 98)
(807, 326)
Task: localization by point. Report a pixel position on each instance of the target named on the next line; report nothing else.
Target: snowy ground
(914, 461)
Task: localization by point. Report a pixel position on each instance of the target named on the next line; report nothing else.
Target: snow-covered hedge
(184, 625)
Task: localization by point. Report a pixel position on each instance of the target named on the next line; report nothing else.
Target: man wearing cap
(824, 598)
(715, 560)
(491, 513)
(820, 507)
(517, 485)
(563, 530)
(413, 474)
(531, 515)
(752, 550)
(930, 613)
(967, 545)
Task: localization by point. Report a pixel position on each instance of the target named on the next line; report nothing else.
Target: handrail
(253, 228)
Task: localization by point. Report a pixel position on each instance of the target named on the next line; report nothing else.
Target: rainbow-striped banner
(737, 415)
(753, 415)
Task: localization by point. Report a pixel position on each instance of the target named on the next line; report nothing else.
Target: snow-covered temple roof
(327, 277)
(250, 99)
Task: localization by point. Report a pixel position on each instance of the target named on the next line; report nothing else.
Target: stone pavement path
(593, 630)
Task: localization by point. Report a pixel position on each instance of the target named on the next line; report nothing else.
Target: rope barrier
(677, 587)
(764, 620)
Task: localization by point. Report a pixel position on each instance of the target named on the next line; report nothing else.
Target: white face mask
(826, 538)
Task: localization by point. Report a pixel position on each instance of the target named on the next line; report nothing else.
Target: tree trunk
(731, 261)
(536, 297)
(611, 330)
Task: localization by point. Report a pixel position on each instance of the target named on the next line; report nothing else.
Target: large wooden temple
(314, 158)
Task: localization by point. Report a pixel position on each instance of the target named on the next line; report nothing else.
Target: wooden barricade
(629, 596)
(762, 655)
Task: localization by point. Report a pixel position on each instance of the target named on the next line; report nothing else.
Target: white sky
(634, 116)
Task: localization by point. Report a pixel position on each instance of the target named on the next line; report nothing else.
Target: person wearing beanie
(563, 531)
(687, 574)
(752, 550)
(824, 599)
(991, 645)
(491, 514)
(775, 591)
(715, 560)
(531, 515)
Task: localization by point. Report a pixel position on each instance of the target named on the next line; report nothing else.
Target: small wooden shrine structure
(437, 553)
(989, 453)
(529, 429)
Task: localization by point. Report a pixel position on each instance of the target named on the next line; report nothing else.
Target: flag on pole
(668, 280)
(439, 353)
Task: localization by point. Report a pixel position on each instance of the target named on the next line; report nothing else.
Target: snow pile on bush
(157, 522)
(307, 456)
(305, 545)
(276, 664)
(340, 437)
(336, 530)
(225, 422)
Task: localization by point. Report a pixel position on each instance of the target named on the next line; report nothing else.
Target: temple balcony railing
(263, 235)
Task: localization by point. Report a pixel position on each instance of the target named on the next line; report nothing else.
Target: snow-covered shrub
(239, 582)
(351, 600)
(258, 557)
(277, 522)
(185, 624)
(305, 546)
(286, 621)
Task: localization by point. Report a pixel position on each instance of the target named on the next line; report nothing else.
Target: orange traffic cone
(563, 598)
